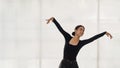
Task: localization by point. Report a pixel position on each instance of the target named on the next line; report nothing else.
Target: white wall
(26, 41)
(70, 13)
(19, 34)
(110, 20)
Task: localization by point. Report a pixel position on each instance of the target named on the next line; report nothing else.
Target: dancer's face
(79, 31)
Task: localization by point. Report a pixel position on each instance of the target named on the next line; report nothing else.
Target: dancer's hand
(50, 19)
(109, 35)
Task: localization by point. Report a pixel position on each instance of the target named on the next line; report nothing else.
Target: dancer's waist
(68, 60)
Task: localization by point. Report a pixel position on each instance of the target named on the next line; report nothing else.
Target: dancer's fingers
(111, 37)
(50, 19)
(48, 22)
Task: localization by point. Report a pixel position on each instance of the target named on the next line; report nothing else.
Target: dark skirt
(68, 64)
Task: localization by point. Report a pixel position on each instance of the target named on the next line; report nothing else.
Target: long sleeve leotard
(71, 51)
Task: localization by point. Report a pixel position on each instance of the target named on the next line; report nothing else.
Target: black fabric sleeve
(64, 33)
(94, 37)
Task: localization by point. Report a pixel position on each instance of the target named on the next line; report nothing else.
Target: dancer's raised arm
(98, 36)
(64, 33)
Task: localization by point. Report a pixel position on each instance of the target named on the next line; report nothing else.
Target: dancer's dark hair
(73, 33)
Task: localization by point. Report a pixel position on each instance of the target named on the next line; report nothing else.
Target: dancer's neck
(76, 37)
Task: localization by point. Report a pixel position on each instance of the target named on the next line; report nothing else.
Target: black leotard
(71, 51)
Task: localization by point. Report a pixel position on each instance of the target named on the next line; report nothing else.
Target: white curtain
(20, 34)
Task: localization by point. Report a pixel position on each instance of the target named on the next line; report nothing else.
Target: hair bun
(73, 33)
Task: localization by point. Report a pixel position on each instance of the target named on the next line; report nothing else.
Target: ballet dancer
(73, 44)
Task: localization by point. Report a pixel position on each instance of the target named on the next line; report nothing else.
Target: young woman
(73, 44)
